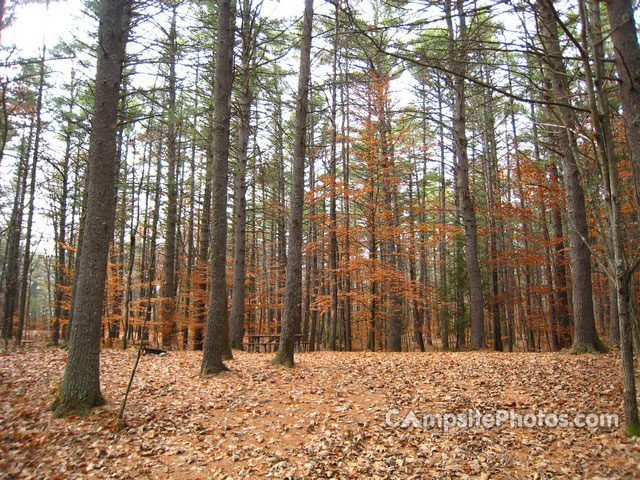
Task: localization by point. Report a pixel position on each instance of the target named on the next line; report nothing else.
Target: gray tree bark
(216, 331)
(80, 389)
(476, 301)
(333, 225)
(61, 230)
(346, 201)
(26, 262)
(627, 54)
(416, 309)
(240, 183)
(586, 336)
(293, 282)
(442, 247)
(490, 172)
(13, 239)
(168, 311)
(203, 243)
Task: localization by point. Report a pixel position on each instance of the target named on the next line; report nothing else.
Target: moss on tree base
(581, 348)
(282, 362)
(212, 371)
(633, 430)
(81, 405)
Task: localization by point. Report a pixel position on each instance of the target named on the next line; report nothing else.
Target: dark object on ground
(153, 351)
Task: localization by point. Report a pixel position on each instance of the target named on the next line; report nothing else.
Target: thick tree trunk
(586, 336)
(627, 54)
(240, 184)
(293, 282)
(476, 301)
(80, 389)
(216, 338)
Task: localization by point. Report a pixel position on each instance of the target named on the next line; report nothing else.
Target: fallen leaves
(323, 419)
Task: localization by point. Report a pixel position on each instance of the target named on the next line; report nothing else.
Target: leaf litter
(323, 419)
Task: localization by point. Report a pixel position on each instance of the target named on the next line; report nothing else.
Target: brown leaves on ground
(323, 419)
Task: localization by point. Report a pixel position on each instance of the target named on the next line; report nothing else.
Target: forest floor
(323, 419)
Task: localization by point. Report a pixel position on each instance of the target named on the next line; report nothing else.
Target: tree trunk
(240, 183)
(80, 389)
(168, 308)
(203, 243)
(293, 282)
(416, 310)
(490, 167)
(13, 238)
(476, 302)
(280, 245)
(614, 323)
(442, 244)
(191, 260)
(127, 291)
(562, 289)
(26, 262)
(314, 259)
(627, 54)
(586, 336)
(333, 224)
(216, 337)
(346, 256)
(61, 238)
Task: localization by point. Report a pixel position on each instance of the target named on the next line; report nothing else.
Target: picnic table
(269, 343)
